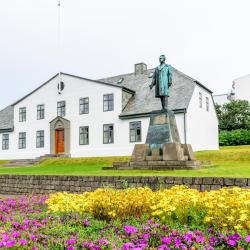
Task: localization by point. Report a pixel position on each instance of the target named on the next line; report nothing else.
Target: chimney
(140, 68)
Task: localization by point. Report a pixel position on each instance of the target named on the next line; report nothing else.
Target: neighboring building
(241, 88)
(222, 99)
(106, 117)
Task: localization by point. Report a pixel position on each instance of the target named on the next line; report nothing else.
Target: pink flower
(15, 234)
(248, 239)
(130, 229)
(70, 248)
(166, 240)
(10, 243)
(32, 237)
(22, 242)
(71, 242)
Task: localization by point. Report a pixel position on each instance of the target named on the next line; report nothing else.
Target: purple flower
(130, 229)
(200, 239)
(32, 237)
(10, 243)
(146, 236)
(248, 239)
(232, 243)
(22, 242)
(15, 234)
(163, 247)
(166, 240)
(86, 223)
(103, 242)
(127, 246)
(177, 242)
(71, 242)
(70, 248)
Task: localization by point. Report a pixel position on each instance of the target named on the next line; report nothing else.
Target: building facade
(107, 117)
(241, 88)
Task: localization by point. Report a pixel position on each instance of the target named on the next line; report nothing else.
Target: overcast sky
(206, 39)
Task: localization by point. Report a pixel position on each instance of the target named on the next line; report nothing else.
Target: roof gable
(66, 74)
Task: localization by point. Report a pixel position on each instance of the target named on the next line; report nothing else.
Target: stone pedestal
(163, 149)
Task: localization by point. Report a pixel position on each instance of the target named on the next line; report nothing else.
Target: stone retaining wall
(43, 184)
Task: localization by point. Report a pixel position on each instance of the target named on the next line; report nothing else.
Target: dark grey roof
(144, 100)
(7, 119)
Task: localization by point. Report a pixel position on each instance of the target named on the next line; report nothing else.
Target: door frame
(57, 124)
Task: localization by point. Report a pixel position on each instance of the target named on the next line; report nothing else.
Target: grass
(226, 162)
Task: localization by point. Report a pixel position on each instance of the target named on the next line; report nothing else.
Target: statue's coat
(162, 80)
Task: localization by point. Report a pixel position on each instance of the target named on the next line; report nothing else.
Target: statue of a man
(162, 80)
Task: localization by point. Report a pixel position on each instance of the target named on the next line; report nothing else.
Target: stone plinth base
(173, 156)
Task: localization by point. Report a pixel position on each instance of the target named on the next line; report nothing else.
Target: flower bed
(88, 221)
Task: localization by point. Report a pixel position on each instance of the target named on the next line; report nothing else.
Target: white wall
(242, 88)
(202, 125)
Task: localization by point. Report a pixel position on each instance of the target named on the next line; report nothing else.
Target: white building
(241, 87)
(83, 117)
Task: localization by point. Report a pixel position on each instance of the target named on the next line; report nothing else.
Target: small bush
(235, 137)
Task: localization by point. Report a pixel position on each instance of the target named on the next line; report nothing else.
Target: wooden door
(59, 141)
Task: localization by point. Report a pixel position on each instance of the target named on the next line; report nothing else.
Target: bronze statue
(162, 80)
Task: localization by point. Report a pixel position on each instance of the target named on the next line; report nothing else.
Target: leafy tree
(234, 115)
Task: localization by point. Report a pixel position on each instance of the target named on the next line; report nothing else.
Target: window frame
(207, 104)
(61, 108)
(130, 129)
(83, 133)
(84, 104)
(109, 109)
(22, 114)
(109, 124)
(40, 112)
(200, 100)
(5, 146)
(24, 138)
(40, 139)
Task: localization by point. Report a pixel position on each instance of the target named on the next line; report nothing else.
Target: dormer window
(120, 80)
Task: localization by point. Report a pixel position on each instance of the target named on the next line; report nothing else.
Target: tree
(234, 115)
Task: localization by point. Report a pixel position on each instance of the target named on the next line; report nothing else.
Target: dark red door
(59, 138)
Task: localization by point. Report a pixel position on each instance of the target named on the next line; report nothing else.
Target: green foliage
(234, 115)
(235, 137)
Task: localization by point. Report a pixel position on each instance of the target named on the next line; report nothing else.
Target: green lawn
(227, 162)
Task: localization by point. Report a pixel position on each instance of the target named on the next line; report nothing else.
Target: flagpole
(59, 43)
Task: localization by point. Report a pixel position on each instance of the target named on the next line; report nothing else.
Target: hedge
(234, 137)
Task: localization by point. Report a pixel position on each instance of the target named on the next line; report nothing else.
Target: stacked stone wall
(44, 184)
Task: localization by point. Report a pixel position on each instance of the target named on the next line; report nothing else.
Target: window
(22, 114)
(108, 102)
(135, 131)
(40, 139)
(84, 135)
(108, 133)
(40, 112)
(61, 108)
(5, 142)
(22, 140)
(84, 106)
(200, 99)
(207, 104)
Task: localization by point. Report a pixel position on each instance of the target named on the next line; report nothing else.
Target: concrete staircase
(30, 162)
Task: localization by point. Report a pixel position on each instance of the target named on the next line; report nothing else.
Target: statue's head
(162, 59)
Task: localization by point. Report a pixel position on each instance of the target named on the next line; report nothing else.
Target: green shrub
(234, 137)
